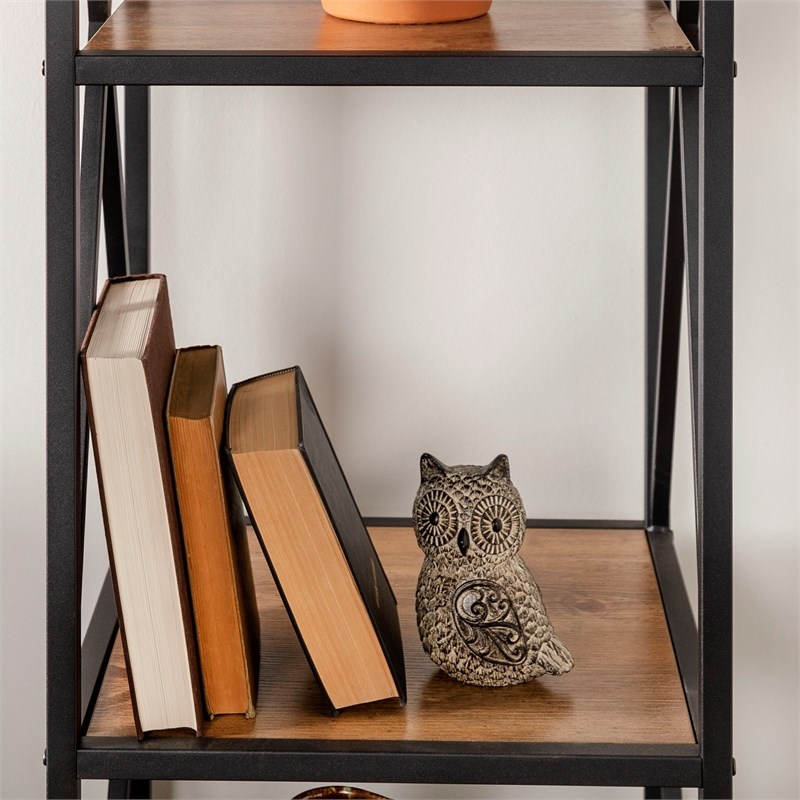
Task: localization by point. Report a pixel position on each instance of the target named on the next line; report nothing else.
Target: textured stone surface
(480, 614)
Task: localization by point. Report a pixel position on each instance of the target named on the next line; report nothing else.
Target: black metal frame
(231, 69)
(391, 761)
(689, 115)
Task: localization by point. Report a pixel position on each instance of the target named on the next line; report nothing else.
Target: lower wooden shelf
(604, 601)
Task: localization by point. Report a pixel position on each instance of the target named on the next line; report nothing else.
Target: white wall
(395, 242)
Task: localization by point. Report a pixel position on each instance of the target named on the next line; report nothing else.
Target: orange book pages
(314, 576)
(214, 536)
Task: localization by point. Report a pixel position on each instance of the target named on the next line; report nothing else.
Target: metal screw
(44, 757)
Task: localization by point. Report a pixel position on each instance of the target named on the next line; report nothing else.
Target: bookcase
(661, 721)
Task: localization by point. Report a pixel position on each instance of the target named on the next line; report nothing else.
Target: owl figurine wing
(485, 618)
(480, 614)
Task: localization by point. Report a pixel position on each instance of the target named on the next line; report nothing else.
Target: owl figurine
(480, 614)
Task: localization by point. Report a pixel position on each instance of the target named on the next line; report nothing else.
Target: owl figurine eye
(436, 517)
(495, 523)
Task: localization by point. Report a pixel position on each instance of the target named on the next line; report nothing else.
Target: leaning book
(127, 359)
(314, 539)
(214, 534)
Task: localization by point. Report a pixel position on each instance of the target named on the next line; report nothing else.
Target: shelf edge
(206, 69)
(394, 762)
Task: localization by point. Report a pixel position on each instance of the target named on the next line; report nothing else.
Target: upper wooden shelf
(291, 42)
(299, 27)
(603, 598)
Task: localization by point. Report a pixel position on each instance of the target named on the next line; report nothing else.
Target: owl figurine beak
(463, 541)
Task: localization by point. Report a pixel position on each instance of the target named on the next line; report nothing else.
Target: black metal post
(714, 398)
(63, 435)
(96, 650)
(688, 107)
(137, 176)
(141, 790)
(657, 132)
(121, 789)
(91, 179)
(114, 215)
(689, 19)
(98, 12)
(688, 103)
(668, 344)
(662, 793)
(679, 614)
(113, 192)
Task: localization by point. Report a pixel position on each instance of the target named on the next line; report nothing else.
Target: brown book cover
(321, 556)
(144, 541)
(214, 534)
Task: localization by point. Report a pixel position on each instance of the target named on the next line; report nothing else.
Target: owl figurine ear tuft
(430, 467)
(499, 468)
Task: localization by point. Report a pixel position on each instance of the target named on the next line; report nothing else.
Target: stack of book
(169, 442)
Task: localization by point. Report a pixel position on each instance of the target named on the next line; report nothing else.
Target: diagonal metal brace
(660, 473)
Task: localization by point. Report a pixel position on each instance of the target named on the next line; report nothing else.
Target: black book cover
(376, 592)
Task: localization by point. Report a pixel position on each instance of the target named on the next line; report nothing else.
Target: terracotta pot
(406, 12)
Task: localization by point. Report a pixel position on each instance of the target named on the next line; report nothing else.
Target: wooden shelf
(602, 595)
(284, 27)
(294, 43)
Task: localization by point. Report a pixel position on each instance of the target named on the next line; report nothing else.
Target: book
(127, 358)
(324, 564)
(214, 534)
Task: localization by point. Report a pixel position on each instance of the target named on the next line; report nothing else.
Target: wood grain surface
(302, 27)
(603, 599)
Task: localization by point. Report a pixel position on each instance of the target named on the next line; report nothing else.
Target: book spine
(158, 361)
